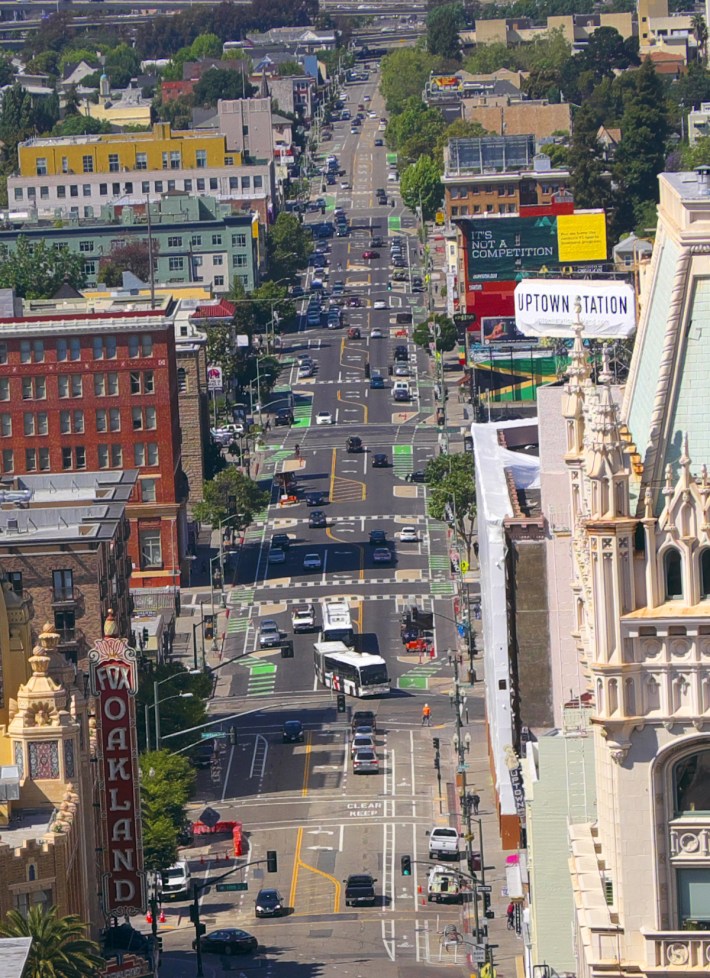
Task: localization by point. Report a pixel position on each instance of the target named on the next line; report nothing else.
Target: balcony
(679, 952)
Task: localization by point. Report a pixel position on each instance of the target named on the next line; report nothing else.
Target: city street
(302, 799)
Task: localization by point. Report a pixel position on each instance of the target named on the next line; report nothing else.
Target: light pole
(222, 523)
(156, 701)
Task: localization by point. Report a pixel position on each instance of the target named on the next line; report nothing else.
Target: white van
(400, 385)
(176, 881)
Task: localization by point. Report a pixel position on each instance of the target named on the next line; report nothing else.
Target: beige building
(576, 28)
(515, 118)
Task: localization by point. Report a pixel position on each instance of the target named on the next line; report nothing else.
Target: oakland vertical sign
(114, 683)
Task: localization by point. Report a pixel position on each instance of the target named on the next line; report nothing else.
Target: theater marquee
(114, 683)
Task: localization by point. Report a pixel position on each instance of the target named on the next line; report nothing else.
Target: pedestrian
(475, 802)
(510, 914)
(426, 715)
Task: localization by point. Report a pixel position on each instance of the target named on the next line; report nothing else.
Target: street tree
(420, 185)
(591, 182)
(167, 782)
(221, 349)
(181, 712)
(36, 270)
(228, 494)
(160, 842)
(700, 32)
(439, 328)
(452, 493)
(288, 246)
(59, 948)
(130, 256)
(221, 83)
(403, 75)
(443, 24)
(414, 131)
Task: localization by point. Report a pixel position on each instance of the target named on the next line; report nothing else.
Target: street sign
(484, 888)
(478, 955)
(215, 735)
(231, 887)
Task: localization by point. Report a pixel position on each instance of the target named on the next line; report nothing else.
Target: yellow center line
(344, 400)
(306, 765)
(359, 546)
(299, 864)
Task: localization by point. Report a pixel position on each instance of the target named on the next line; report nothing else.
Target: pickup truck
(360, 890)
(443, 843)
(303, 618)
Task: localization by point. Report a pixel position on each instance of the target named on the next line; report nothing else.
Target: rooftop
(62, 488)
(121, 313)
(27, 825)
(14, 952)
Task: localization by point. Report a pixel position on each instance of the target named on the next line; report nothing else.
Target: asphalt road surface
(303, 800)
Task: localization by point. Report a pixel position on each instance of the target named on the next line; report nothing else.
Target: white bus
(355, 673)
(337, 623)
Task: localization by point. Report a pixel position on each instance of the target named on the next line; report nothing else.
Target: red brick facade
(96, 391)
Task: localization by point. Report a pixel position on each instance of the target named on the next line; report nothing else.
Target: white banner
(214, 378)
(546, 307)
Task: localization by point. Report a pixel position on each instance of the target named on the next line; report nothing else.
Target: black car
(297, 291)
(360, 890)
(315, 498)
(317, 520)
(401, 354)
(269, 903)
(376, 242)
(283, 417)
(418, 476)
(282, 540)
(292, 731)
(228, 940)
(363, 718)
(201, 755)
(378, 538)
(353, 444)
(380, 461)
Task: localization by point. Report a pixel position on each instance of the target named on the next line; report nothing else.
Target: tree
(443, 25)
(289, 68)
(452, 493)
(230, 493)
(220, 348)
(288, 246)
(413, 131)
(160, 842)
(131, 256)
(60, 947)
(421, 185)
(121, 64)
(644, 130)
(205, 46)
(697, 155)
(36, 270)
(591, 186)
(692, 88)
(167, 782)
(700, 31)
(440, 327)
(490, 57)
(221, 83)
(403, 75)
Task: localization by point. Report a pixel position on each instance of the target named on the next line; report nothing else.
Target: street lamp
(177, 696)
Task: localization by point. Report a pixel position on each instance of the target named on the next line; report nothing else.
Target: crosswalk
(418, 677)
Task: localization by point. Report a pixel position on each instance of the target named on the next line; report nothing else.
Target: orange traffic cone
(161, 918)
(149, 918)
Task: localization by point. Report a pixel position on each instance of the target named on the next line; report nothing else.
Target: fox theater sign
(114, 683)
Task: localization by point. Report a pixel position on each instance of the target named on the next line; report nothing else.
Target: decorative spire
(41, 657)
(110, 625)
(648, 504)
(685, 476)
(578, 370)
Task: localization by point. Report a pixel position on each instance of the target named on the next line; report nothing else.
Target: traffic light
(436, 742)
(209, 626)
(341, 702)
(406, 865)
(271, 861)
(232, 734)
(389, 286)
(145, 636)
(437, 762)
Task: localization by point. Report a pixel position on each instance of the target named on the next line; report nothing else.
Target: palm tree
(700, 30)
(60, 948)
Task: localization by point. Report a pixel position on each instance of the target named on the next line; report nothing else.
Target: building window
(141, 161)
(112, 384)
(86, 189)
(100, 385)
(148, 382)
(102, 456)
(158, 186)
(175, 242)
(175, 162)
(63, 386)
(182, 389)
(200, 159)
(229, 161)
(176, 264)
(239, 240)
(114, 419)
(218, 260)
(30, 459)
(44, 465)
(73, 190)
(103, 190)
(219, 280)
(137, 414)
(69, 768)
(116, 456)
(145, 187)
(171, 185)
(29, 424)
(41, 166)
(673, 570)
(150, 419)
(139, 454)
(44, 761)
(25, 351)
(135, 382)
(140, 345)
(188, 185)
(101, 420)
(87, 164)
(240, 261)
(63, 585)
(78, 421)
(6, 425)
(4, 388)
(200, 183)
(196, 241)
(18, 193)
(164, 160)
(44, 193)
(86, 246)
(61, 192)
(152, 453)
(113, 165)
(8, 460)
(70, 350)
(246, 183)
(66, 458)
(214, 183)
(258, 183)
(217, 240)
(234, 183)
(80, 457)
(151, 550)
(98, 344)
(77, 385)
(65, 422)
(148, 490)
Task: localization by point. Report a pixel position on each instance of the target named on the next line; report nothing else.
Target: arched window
(182, 380)
(31, 873)
(705, 572)
(691, 783)
(673, 570)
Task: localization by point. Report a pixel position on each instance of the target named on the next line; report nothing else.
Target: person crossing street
(426, 715)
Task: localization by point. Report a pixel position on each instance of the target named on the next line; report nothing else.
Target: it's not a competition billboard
(502, 247)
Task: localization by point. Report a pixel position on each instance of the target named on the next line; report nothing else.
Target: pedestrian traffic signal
(209, 627)
(271, 861)
(232, 734)
(341, 703)
(436, 742)
(406, 865)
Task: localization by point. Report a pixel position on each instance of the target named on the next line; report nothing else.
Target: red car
(370, 254)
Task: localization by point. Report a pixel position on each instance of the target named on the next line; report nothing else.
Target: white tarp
(546, 307)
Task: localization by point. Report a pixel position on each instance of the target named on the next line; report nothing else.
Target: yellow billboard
(581, 237)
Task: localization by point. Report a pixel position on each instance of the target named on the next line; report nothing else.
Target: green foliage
(60, 947)
(459, 129)
(697, 155)
(589, 171)
(121, 64)
(22, 116)
(220, 346)
(179, 714)
(205, 46)
(72, 56)
(452, 493)
(167, 781)
(80, 125)
(421, 184)
(130, 256)
(644, 130)
(693, 88)
(36, 270)
(403, 75)
(443, 25)
(421, 335)
(288, 246)
(221, 83)
(289, 68)
(178, 111)
(441, 327)
(559, 154)
(160, 842)
(490, 57)
(414, 131)
(46, 62)
(249, 498)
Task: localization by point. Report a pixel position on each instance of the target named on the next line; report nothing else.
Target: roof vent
(703, 174)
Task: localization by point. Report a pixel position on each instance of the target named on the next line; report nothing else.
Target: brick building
(84, 391)
(64, 543)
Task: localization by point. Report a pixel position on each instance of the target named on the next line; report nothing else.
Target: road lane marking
(306, 765)
(299, 864)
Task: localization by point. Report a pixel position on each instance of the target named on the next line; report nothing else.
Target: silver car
(361, 742)
(366, 762)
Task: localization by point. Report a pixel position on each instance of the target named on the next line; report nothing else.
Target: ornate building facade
(640, 513)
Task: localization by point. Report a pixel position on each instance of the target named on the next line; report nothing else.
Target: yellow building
(119, 114)
(159, 149)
